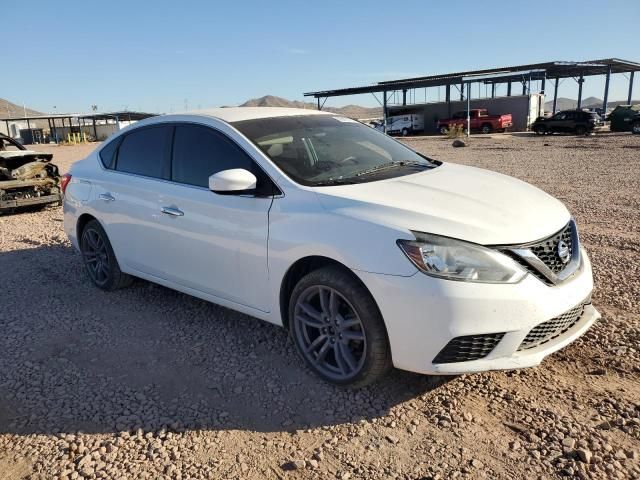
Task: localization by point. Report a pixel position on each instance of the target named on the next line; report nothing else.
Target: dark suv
(567, 121)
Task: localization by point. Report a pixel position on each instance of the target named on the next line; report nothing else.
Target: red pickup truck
(480, 120)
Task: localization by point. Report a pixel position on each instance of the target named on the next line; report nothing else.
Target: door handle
(107, 197)
(172, 211)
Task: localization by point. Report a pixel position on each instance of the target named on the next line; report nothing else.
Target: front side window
(199, 152)
(144, 151)
(319, 150)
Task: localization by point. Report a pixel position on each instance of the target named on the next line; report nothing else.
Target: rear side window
(145, 151)
(108, 153)
(199, 152)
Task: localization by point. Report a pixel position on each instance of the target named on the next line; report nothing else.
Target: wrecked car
(27, 178)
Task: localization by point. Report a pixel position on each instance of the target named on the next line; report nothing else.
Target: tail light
(66, 178)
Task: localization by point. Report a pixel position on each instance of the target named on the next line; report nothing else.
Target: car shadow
(74, 358)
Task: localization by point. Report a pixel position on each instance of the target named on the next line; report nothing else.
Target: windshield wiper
(333, 181)
(388, 165)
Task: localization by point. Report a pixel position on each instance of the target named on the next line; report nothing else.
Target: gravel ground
(150, 383)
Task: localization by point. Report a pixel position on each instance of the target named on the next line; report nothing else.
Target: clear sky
(163, 56)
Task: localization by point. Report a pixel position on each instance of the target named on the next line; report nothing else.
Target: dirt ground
(150, 383)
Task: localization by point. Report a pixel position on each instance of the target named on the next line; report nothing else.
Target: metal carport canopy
(556, 69)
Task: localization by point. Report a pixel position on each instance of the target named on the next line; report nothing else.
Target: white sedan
(369, 253)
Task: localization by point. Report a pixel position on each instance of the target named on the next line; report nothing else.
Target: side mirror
(234, 181)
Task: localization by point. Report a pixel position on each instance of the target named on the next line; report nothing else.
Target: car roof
(237, 114)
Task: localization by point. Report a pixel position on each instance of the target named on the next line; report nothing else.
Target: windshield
(320, 150)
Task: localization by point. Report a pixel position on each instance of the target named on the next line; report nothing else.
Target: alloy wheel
(96, 256)
(330, 333)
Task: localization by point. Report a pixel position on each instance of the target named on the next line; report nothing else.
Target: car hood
(457, 201)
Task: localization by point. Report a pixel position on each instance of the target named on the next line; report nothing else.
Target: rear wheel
(486, 128)
(338, 329)
(99, 260)
(444, 129)
(405, 132)
(636, 128)
(580, 130)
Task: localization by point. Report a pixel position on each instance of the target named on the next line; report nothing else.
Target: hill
(8, 110)
(352, 111)
(590, 102)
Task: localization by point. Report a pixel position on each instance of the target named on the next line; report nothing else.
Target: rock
(568, 442)
(313, 463)
(392, 439)
(584, 455)
(458, 143)
(293, 465)
(476, 463)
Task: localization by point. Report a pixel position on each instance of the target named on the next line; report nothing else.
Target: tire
(580, 130)
(486, 128)
(319, 326)
(444, 130)
(405, 132)
(635, 129)
(99, 260)
(540, 130)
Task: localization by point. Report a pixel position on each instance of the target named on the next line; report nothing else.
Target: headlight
(444, 257)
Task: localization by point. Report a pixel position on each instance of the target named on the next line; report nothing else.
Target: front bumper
(423, 314)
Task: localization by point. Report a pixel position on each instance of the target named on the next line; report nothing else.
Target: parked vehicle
(405, 124)
(566, 121)
(635, 124)
(480, 121)
(369, 253)
(27, 178)
(622, 117)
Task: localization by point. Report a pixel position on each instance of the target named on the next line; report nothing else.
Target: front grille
(541, 259)
(547, 250)
(533, 271)
(467, 348)
(551, 329)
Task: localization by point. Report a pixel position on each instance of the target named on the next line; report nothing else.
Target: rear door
(127, 194)
(213, 243)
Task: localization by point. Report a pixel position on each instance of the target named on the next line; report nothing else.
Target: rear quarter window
(108, 153)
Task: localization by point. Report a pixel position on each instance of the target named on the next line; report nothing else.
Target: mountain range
(589, 102)
(9, 109)
(353, 111)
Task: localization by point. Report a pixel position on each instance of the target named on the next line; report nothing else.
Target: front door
(216, 244)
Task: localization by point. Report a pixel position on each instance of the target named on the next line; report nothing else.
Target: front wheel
(338, 329)
(444, 130)
(540, 130)
(636, 128)
(581, 130)
(405, 132)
